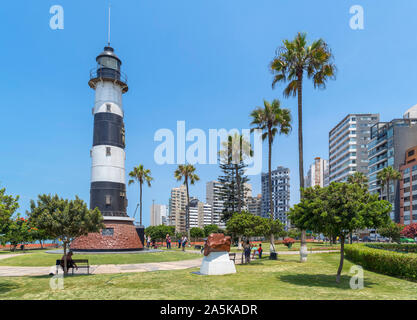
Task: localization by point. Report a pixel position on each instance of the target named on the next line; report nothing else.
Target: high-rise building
(158, 214)
(200, 214)
(177, 205)
(408, 186)
(388, 145)
(280, 194)
(348, 142)
(317, 174)
(254, 205)
(214, 199)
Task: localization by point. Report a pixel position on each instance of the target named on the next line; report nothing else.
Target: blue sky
(204, 62)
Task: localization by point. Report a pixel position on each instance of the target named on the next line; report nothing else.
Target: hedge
(395, 247)
(382, 261)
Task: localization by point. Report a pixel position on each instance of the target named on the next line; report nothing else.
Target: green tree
(339, 209)
(187, 172)
(19, 232)
(8, 207)
(211, 228)
(358, 178)
(140, 175)
(293, 60)
(67, 219)
(159, 232)
(386, 176)
(196, 233)
(271, 229)
(244, 224)
(392, 231)
(235, 151)
(271, 119)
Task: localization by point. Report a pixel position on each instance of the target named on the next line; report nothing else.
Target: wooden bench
(232, 256)
(81, 263)
(197, 246)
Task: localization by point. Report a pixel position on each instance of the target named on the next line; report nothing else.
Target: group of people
(248, 249)
(181, 242)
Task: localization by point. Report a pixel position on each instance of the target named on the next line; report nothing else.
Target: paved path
(6, 271)
(5, 256)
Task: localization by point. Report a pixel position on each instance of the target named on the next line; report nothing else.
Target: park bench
(232, 256)
(81, 263)
(197, 246)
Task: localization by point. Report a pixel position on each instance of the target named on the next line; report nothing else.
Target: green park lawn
(286, 278)
(43, 259)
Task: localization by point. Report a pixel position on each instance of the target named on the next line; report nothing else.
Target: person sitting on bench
(70, 262)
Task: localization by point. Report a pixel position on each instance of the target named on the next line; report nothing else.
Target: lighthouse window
(108, 107)
(108, 151)
(108, 200)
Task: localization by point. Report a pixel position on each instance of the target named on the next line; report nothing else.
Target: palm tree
(141, 175)
(293, 60)
(385, 176)
(186, 172)
(236, 150)
(271, 119)
(358, 178)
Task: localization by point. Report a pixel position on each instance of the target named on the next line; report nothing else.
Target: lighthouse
(108, 176)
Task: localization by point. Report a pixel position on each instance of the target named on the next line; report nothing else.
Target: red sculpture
(217, 242)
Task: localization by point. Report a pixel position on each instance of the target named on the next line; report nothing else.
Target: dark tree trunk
(342, 257)
(65, 258)
(303, 245)
(271, 207)
(239, 202)
(140, 199)
(187, 211)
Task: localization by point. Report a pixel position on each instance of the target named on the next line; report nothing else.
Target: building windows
(410, 153)
(108, 107)
(108, 151)
(406, 180)
(108, 200)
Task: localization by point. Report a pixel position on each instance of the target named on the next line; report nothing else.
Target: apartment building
(177, 205)
(348, 142)
(280, 194)
(158, 214)
(317, 174)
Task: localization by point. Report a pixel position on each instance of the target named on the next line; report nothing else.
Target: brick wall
(124, 237)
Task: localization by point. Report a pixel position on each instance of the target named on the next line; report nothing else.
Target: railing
(108, 73)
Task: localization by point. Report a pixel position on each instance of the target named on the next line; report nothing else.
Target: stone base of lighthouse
(118, 235)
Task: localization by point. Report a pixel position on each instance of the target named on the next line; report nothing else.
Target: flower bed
(383, 261)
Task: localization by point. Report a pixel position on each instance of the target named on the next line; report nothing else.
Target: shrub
(406, 248)
(382, 261)
(288, 241)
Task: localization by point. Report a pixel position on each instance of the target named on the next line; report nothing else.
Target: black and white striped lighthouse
(108, 185)
(108, 177)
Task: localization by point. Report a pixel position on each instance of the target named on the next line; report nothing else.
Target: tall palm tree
(358, 178)
(234, 151)
(385, 176)
(293, 60)
(141, 175)
(271, 119)
(187, 172)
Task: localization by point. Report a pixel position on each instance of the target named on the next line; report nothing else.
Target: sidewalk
(125, 268)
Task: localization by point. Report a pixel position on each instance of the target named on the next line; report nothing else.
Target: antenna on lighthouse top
(108, 38)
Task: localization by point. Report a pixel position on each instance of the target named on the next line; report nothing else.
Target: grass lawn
(278, 247)
(286, 278)
(42, 259)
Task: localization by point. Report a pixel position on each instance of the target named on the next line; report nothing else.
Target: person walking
(247, 251)
(180, 241)
(168, 239)
(148, 242)
(260, 251)
(184, 242)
